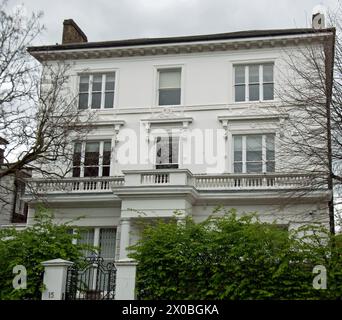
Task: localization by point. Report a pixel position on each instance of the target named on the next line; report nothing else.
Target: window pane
(87, 238)
(92, 153)
(109, 100)
(174, 150)
(169, 97)
(106, 153)
(253, 74)
(254, 147)
(237, 148)
(97, 82)
(268, 73)
(270, 166)
(105, 171)
(162, 150)
(91, 171)
(239, 74)
(84, 84)
(270, 147)
(110, 81)
(240, 93)
(252, 167)
(107, 243)
(76, 172)
(268, 91)
(169, 78)
(83, 101)
(96, 101)
(253, 92)
(237, 167)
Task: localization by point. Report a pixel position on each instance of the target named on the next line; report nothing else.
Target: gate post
(125, 279)
(55, 279)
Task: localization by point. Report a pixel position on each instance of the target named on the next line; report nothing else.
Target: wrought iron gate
(95, 281)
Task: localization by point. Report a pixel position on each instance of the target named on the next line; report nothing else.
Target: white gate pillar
(55, 279)
(125, 280)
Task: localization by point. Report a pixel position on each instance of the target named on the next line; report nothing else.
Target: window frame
(91, 74)
(246, 65)
(101, 155)
(244, 161)
(157, 69)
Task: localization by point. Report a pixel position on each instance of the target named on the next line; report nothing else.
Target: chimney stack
(318, 17)
(72, 33)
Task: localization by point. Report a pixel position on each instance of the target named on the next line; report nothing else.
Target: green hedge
(43, 241)
(228, 257)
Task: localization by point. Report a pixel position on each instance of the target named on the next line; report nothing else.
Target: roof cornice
(179, 45)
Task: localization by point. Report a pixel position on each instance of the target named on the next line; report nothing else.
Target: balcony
(171, 178)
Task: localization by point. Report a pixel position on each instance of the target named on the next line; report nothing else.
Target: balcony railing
(172, 177)
(252, 181)
(74, 185)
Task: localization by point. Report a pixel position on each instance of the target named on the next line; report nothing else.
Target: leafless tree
(312, 97)
(38, 111)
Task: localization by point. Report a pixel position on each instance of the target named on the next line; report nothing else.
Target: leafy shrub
(31, 246)
(226, 257)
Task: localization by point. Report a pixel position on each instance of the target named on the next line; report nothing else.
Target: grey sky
(122, 19)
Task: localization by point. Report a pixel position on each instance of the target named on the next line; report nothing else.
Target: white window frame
(103, 87)
(244, 151)
(101, 148)
(261, 87)
(157, 68)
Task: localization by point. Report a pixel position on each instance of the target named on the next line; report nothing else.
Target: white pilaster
(124, 238)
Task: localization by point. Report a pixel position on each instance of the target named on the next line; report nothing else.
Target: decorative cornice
(176, 48)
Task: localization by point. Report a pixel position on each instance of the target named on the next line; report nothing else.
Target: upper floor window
(254, 82)
(92, 159)
(254, 153)
(169, 90)
(96, 91)
(167, 152)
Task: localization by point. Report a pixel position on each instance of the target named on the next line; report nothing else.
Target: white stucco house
(182, 123)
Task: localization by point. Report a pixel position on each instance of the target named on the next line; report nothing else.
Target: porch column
(55, 279)
(125, 267)
(124, 238)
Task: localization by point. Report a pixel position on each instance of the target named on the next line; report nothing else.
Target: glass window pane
(253, 92)
(83, 101)
(76, 171)
(92, 147)
(174, 150)
(107, 243)
(84, 83)
(163, 150)
(105, 171)
(237, 167)
(270, 166)
(239, 74)
(87, 238)
(107, 146)
(169, 97)
(92, 154)
(268, 91)
(97, 82)
(106, 153)
(237, 148)
(240, 93)
(169, 78)
(109, 99)
(254, 167)
(96, 101)
(110, 81)
(253, 74)
(254, 147)
(268, 73)
(91, 171)
(270, 147)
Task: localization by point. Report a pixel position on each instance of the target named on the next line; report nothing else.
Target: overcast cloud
(122, 19)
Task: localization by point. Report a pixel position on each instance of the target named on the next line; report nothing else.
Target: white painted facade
(196, 187)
